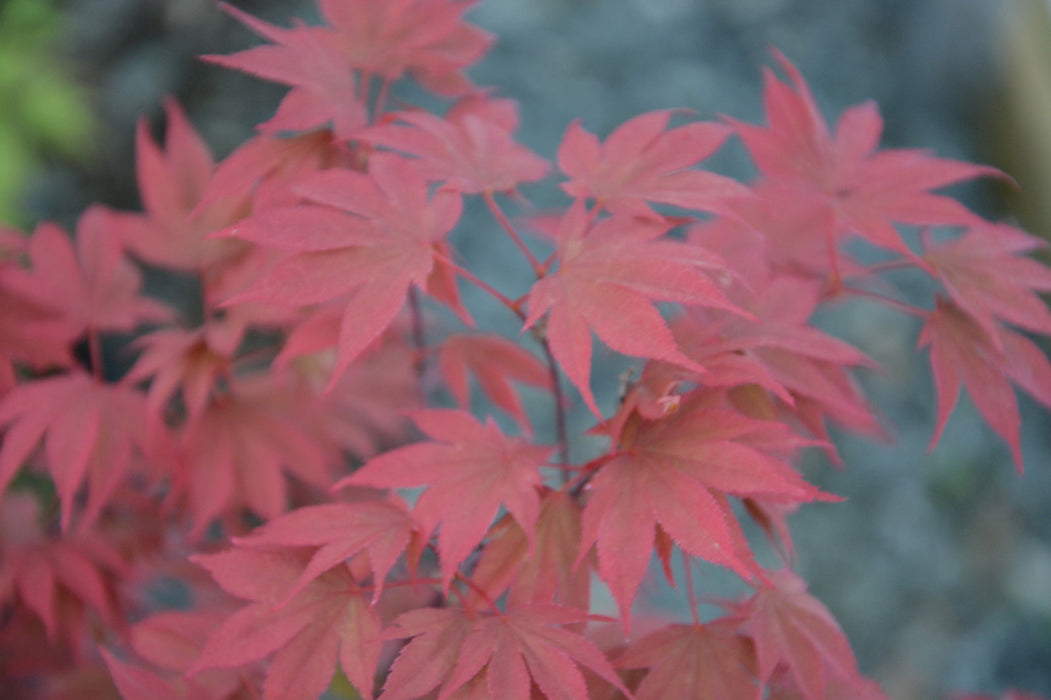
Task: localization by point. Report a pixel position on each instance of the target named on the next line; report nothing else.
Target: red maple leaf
(805, 368)
(693, 661)
(468, 473)
(609, 274)
(172, 641)
(192, 360)
(311, 61)
(91, 285)
(266, 165)
(427, 38)
(174, 230)
(641, 162)
(984, 273)
(340, 531)
(502, 656)
(782, 225)
(963, 353)
(370, 258)
(169, 642)
(541, 568)
(328, 622)
(31, 333)
(794, 631)
(863, 190)
(59, 579)
(91, 432)
(137, 683)
(236, 454)
(366, 408)
(471, 150)
(671, 476)
(495, 361)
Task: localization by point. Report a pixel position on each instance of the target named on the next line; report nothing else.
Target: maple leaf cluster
(337, 467)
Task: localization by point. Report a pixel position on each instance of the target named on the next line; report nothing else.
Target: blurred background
(938, 566)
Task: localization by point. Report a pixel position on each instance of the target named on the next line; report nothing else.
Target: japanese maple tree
(346, 476)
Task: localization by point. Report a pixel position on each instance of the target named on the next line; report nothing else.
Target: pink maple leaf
(427, 38)
(471, 150)
(311, 61)
(541, 567)
(795, 632)
(469, 471)
(370, 257)
(191, 360)
(237, 453)
(169, 642)
(984, 273)
(59, 579)
(174, 230)
(92, 433)
(31, 333)
(265, 166)
(495, 361)
(379, 528)
(693, 661)
(608, 276)
(864, 191)
(494, 656)
(807, 369)
(672, 476)
(328, 622)
(963, 353)
(641, 162)
(89, 282)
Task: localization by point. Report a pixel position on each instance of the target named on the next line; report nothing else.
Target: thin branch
(419, 341)
(889, 301)
(514, 306)
(498, 214)
(364, 87)
(381, 100)
(479, 591)
(587, 473)
(888, 266)
(688, 572)
(560, 410)
(95, 354)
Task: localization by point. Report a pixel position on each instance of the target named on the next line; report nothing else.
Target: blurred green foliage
(341, 688)
(42, 109)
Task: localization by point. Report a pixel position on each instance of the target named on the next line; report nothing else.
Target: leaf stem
(889, 265)
(406, 582)
(884, 299)
(587, 473)
(364, 87)
(498, 214)
(247, 684)
(833, 258)
(558, 395)
(479, 591)
(514, 306)
(688, 573)
(419, 341)
(207, 301)
(95, 353)
(381, 100)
